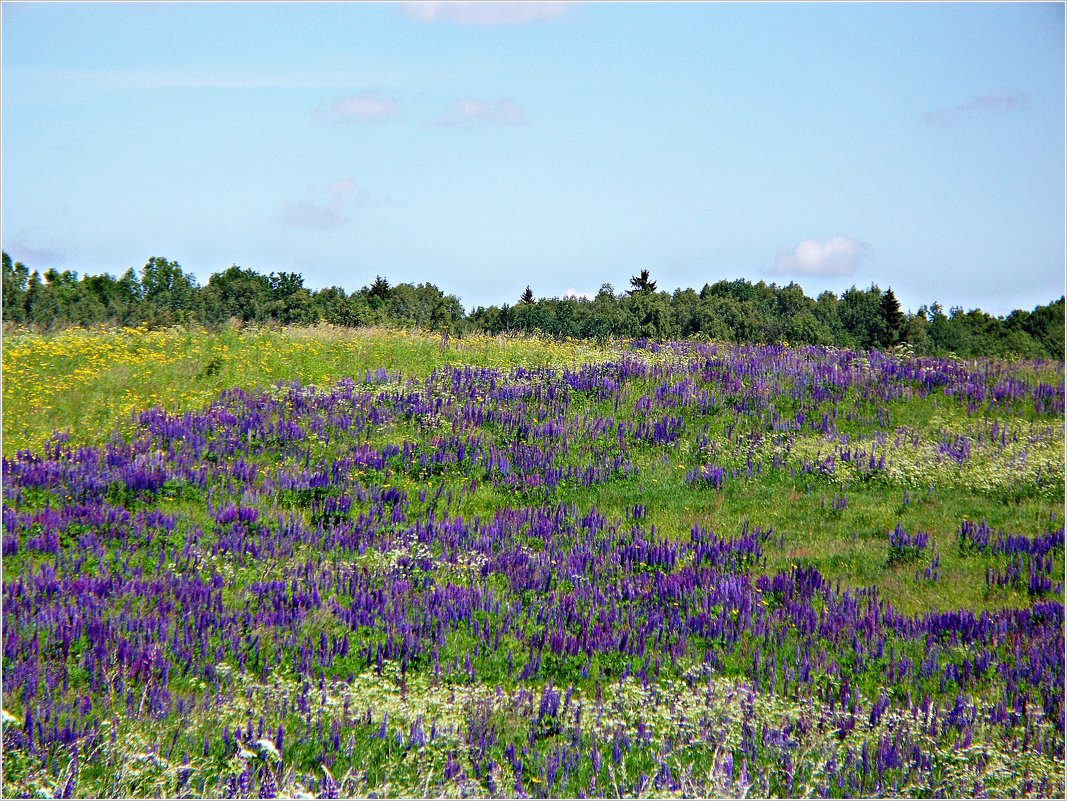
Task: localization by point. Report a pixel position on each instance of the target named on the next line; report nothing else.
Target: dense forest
(162, 294)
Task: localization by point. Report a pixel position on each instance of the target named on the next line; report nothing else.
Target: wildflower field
(307, 562)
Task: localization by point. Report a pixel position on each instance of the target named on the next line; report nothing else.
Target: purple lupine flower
(28, 729)
(67, 790)
(329, 786)
(244, 782)
(452, 768)
(268, 788)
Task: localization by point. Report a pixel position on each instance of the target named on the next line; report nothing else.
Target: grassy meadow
(321, 562)
(88, 381)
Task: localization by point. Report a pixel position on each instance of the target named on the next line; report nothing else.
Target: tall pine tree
(892, 319)
(641, 284)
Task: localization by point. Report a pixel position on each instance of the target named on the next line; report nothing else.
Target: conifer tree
(641, 284)
(892, 318)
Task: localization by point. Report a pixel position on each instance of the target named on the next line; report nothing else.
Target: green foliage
(806, 327)
(15, 280)
(733, 311)
(239, 294)
(861, 315)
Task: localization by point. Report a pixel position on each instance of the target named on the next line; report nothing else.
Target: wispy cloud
(469, 111)
(837, 255)
(367, 106)
(34, 258)
(332, 210)
(70, 147)
(179, 79)
(484, 14)
(1002, 102)
(577, 295)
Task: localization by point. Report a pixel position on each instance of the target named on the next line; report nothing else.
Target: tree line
(161, 294)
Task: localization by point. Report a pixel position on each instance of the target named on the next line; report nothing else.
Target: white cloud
(1002, 102)
(34, 258)
(484, 14)
(574, 293)
(838, 255)
(469, 111)
(365, 106)
(332, 211)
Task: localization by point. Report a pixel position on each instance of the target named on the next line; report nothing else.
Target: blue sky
(484, 148)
